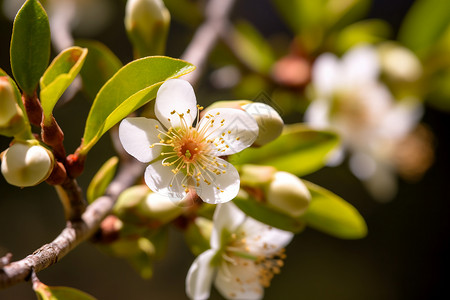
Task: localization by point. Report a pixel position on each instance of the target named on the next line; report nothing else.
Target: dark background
(405, 255)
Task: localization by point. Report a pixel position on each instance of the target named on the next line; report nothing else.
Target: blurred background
(405, 255)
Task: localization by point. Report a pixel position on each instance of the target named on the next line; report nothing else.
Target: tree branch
(206, 36)
(78, 231)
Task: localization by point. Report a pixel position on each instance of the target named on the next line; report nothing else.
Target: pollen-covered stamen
(237, 253)
(191, 152)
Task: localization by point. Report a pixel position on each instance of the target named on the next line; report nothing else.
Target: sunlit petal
(175, 95)
(200, 276)
(221, 187)
(137, 135)
(162, 180)
(231, 130)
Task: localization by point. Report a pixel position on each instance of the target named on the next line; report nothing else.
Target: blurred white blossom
(350, 99)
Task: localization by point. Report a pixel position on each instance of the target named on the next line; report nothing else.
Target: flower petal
(162, 180)
(360, 65)
(219, 188)
(226, 216)
(137, 135)
(325, 74)
(318, 114)
(239, 280)
(232, 130)
(200, 276)
(262, 239)
(175, 95)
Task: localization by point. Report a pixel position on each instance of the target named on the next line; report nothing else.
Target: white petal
(362, 165)
(360, 65)
(232, 130)
(336, 157)
(226, 216)
(221, 188)
(239, 281)
(137, 135)
(162, 180)
(262, 239)
(401, 119)
(383, 184)
(325, 74)
(200, 276)
(175, 95)
(318, 114)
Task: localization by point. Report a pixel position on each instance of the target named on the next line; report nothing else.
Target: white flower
(244, 256)
(350, 98)
(184, 156)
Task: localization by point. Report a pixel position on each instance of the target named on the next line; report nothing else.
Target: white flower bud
(288, 194)
(399, 62)
(269, 122)
(161, 208)
(8, 105)
(147, 23)
(26, 164)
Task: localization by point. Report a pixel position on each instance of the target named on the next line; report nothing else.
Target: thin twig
(79, 231)
(206, 36)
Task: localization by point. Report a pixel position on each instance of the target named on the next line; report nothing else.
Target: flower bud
(147, 24)
(288, 194)
(26, 164)
(11, 117)
(399, 62)
(8, 105)
(139, 202)
(269, 122)
(160, 207)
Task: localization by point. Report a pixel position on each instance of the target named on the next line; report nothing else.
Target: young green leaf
(331, 214)
(267, 215)
(131, 87)
(100, 65)
(59, 75)
(44, 292)
(30, 45)
(366, 31)
(101, 179)
(424, 24)
(299, 150)
(252, 47)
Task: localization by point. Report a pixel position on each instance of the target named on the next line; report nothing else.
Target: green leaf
(59, 75)
(30, 45)
(100, 65)
(131, 87)
(367, 31)
(44, 292)
(252, 47)
(424, 24)
(299, 150)
(331, 214)
(306, 18)
(198, 234)
(102, 179)
(263, 213)
(341, 13)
